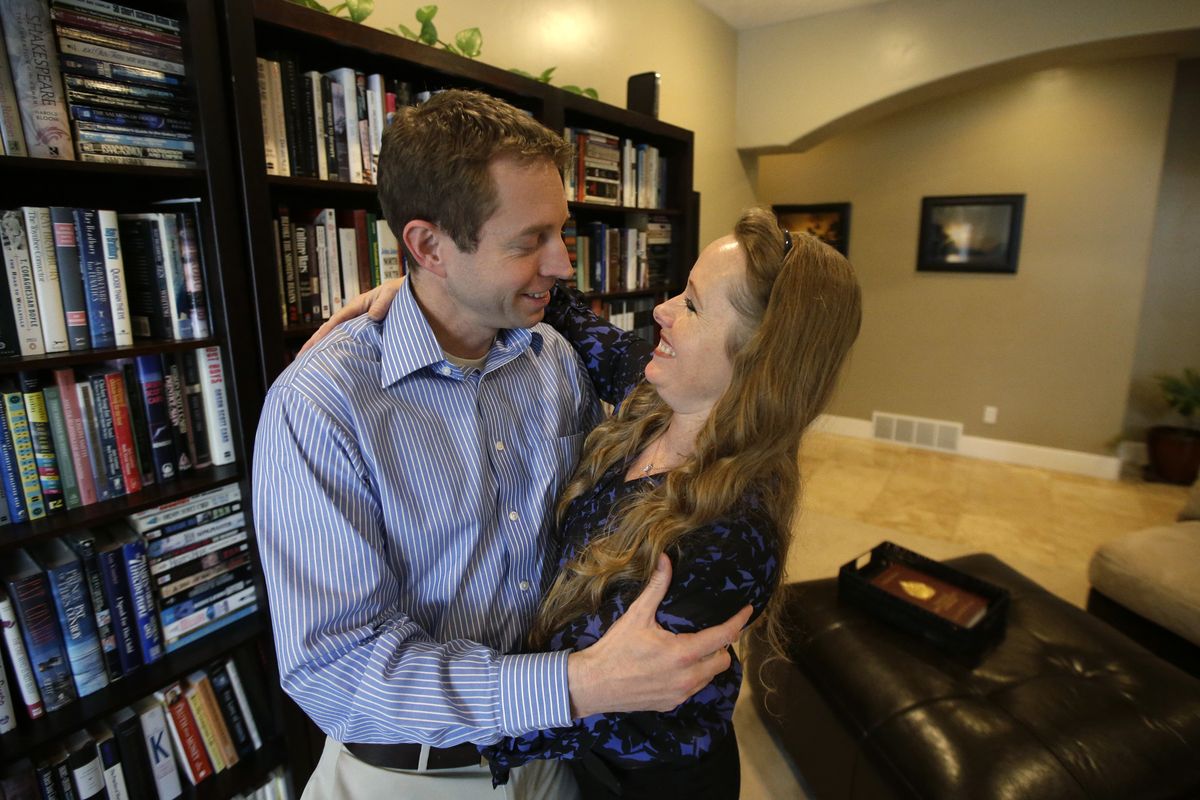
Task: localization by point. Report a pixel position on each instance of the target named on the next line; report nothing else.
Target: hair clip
(787, 241)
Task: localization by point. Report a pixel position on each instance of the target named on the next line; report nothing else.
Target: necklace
(653, 457)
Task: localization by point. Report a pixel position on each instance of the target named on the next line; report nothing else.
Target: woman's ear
(425, 241)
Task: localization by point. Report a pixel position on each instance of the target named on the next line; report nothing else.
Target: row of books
(634, 314)
(325, 256)
(325, 125)
(74, 437)
(615, 259)
(613, 171)
(93, 80)
(194, 728)
(93, 607)
(84, 278)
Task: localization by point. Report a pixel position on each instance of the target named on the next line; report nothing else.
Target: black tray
(854, 586)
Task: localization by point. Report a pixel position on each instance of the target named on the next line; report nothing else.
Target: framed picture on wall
(970, 233)
(829, 222)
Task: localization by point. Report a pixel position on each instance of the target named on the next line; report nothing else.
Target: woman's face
(691, 367)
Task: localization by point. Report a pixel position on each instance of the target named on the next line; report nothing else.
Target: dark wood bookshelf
(139, 347)
(31, 735)
(315, 185)
(649, 291)
(601, 208)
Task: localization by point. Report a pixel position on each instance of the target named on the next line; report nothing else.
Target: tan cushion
(1156, 573)
(1191, 510)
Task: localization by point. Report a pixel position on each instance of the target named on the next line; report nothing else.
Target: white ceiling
(743, 14)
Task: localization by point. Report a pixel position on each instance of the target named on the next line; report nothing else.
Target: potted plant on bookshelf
(1174, 451)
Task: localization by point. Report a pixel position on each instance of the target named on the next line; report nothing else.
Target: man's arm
(357, 663)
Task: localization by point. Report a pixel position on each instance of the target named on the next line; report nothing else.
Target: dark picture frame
(970, 233)
(829, 222)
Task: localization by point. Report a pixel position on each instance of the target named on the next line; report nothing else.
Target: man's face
(506, 282)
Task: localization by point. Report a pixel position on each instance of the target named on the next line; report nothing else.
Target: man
(405, 475)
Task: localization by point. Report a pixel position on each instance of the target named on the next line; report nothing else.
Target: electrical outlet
(989, 414)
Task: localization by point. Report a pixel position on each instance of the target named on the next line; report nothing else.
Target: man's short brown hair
(434, 161)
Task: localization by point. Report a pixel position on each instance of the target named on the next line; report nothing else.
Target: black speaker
(641, 93)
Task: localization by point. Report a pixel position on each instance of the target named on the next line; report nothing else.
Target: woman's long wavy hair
(800, 313)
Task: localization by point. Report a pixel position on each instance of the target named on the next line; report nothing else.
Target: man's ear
(426, 242)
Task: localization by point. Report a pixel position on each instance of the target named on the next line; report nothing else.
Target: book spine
(31, 54)
(184, 508)
(116, 594)
(216, 406)
(199, 557)
(114, 775)
(316, 102)
(210, 600)
(292, 116)
(230, 711)
(138, 574)
(137, 421)
(134, 15)
(118, 72)
(291, 291)
(158, 423)
(131, 118)
(95, 446)
(186, 734)
(85, 133)
(177, 412)
(70, 277)
(168, 234)
(106, 435)
(8, 712)
(81, 459)
(207, 735)
(62, 447)
(19, 658)
(34, 607)
(127, 456)
(243, 701)
(10, 473)
(10, 338)
(199, 683)
(198, 529)
(45, 279)
(145, 270)
(112, 27)
(18, 430)
(44, 456)
(84, 546)
(134, 161)
(20, 282)
(211, 627)
(193, 395)
(344, 77)
(300, 250)
(307, 120)
(203, 616)
(83, 763)
(158, 747)
(95, 278)
(277, 101)
(193, 274)
(178, 584)
(362, 244)
(12, 138)
(82, 49)
(135, 760)
(320, 236)
(364, 126)
(270, 157)
(329, 133)
(114, 270)
(78, 625)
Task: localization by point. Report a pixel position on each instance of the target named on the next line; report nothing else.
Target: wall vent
(931, 434)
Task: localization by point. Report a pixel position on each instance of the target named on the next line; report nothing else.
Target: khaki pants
(341, 776)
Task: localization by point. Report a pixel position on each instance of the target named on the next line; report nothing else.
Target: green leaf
(338, 9)
(426, 14)
(360, 9)
(572, 88)
(428, 34)
(408, 33)
(470, 42)
(546, 73)
(313, 4)
(592, 93)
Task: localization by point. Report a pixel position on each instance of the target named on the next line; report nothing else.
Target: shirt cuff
(534, 694)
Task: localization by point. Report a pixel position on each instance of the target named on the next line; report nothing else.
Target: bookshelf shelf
(600, 208)
(112, 510)
(31, 735)
(357, 190)
(140, 347)
(649, 291)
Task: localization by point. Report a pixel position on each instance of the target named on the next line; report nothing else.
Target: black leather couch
(1063, 707)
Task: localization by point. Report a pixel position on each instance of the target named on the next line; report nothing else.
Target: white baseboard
(1029, 455)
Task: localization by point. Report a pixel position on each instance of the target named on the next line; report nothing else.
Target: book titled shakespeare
(953, 603)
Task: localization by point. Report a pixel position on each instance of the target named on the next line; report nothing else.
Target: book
(95, 278)
(248, 712)
(146, 269)
(277, 122)
(137, 419)
(70, 277)
(114, 271)
(158, 424)
(22, 442)
(177, 412)
(10, 339)
(29, 40)
(231, 711)
(135, 759)
(337, 127)
(346, 121)
(110, 561)
(110, 761)
(193, 301)
(62, 446)
(185, 734)
(122, 421)
(287, 266)
(158, 747)
(153, 519)
(55, 776)
(137, 572)
(195, 530)
(44, 454)
(135, 119)
(144, 19)
(14, 645)
(14, 509)
(106, 446)
(389, 251)
(22, 292)
(118, 72)
(8, 712)
(46, 286)
(113, 26)
(266, 109)
(83, 544)
(207, 710)
(84, 49)
(193, 398)
(77, 621)
(216, 406)
(29, 591)
(80, 457)
(12, 139)
(228, 607)
(98, 456)
(87, 771)
(952, 603)
(245, 675)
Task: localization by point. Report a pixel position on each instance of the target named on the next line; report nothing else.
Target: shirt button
(524, 586)
(444, 370)
(499, 445)
(513, 516)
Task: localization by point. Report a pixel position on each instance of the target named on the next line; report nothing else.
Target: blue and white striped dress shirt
(404, 513)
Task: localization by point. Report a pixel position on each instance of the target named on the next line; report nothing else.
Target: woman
(699, 463)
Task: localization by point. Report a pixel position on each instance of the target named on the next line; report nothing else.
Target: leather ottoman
(1063, 707)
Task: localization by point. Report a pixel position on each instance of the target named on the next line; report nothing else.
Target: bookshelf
(321, 42)
(30, 181)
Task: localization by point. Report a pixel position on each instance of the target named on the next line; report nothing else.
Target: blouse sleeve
(717, 571)
(615, 359)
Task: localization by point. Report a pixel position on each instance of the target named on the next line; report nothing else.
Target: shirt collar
(409, 344)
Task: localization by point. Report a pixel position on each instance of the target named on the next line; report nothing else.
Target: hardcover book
(31, 54)
(76, 619)
(193, 395)
(152, 519)
(177, 412)
(158, 424)
(110, 761)
(95, 278)
(114, 271)
(29, 591)
(45, 278)
(12, 139)
(231, 712)
(135, 760)
(118, 403)
(19, 659)
(203, 700)
(137, 572)
(953, 603)
(249, 712)
(80, 456)
(106, 434)
(146, 268)
(87, 771)
(185, 734)
(22, 294)
(137, 419)
(44, 455)
(22, 442)
(83, 543)
(10, 474)
(110, 559)
(61, 437)
(158, 747)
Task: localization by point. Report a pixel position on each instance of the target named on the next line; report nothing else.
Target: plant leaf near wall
(468, 42)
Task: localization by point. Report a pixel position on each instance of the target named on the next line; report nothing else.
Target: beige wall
(1169, 335)
(1051, 346)
(797, 78)
(600, 43)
